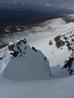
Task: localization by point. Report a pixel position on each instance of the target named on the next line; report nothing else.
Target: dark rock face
(68, 65)
(15, 53)
(34, 49)
(59, 42)
(65, 39)
(1, 58)
(15, 49)
(50, 42)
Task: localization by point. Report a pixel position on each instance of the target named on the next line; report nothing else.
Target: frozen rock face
(56, 42)
(61, 41)
(26, 63)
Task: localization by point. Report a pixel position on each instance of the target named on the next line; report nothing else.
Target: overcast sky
(50, 3)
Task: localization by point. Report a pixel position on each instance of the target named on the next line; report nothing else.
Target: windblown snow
(40, 60)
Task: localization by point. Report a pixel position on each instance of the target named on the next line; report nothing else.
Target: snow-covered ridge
(24, 63)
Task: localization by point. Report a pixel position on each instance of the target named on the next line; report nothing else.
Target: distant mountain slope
(19, 16)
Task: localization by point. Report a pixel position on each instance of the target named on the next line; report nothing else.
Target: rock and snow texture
(26, 64)
(47, 34)
(56, 41)
(54, 38)
(65, 44)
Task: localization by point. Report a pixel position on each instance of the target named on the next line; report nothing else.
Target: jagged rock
(34, 49)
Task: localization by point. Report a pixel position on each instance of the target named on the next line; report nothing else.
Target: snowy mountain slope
(54, 45)
(43, 37)
(57, 43)
(56, 88)
(4, 58)
(26, 64)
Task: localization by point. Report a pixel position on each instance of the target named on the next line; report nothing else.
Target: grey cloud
(69, 4)
(66, 5)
